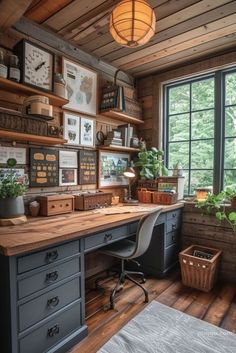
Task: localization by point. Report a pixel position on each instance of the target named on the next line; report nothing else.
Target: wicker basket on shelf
(144, 195)
(197, 272)
(164, 198)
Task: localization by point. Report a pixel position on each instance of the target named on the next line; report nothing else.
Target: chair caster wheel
(143, 280)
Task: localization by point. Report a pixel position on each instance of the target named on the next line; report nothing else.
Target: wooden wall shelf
(18, 136)
(119, 148)
(121, 116)
(21, 89)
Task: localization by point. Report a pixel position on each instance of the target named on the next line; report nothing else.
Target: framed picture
(68, 159)
(81, 87)
(67, 177)
(111, 168)
(87, 167)
(87, 131)
(71, 128)
(13, 152)
(43, 167)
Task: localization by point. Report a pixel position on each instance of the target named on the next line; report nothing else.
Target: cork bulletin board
(43, 167)
(87, 167)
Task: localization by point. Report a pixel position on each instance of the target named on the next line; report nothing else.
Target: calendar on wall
(43, 167)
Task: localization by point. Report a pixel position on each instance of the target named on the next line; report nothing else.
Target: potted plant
(12, 189)
(219, 205)
(151, 164)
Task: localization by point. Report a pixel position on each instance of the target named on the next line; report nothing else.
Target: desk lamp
(130, 173)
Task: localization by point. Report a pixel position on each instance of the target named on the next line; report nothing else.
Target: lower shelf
(18, 136)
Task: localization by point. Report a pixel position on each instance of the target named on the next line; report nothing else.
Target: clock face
(38, 67)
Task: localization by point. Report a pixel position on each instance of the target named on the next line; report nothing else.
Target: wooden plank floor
(217, 307)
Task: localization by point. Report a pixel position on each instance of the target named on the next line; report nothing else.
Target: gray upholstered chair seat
(121, 249)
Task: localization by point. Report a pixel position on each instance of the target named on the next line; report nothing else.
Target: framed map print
(81, 87)
(71, 128)
(86, 131)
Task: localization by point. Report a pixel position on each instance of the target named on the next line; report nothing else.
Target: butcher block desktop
(43, 272)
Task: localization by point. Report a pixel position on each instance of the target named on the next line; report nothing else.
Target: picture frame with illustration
(68, 176)
(111, 166)
(87, 130)
(71, 128)
(81, 87)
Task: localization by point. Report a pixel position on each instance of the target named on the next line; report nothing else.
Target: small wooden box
(52, 205)
(164, 198)
(90, 201)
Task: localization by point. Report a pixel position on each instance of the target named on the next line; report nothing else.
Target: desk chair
(129, 250)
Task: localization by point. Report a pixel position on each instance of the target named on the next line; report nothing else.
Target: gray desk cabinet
(162, 254)
(42, 300)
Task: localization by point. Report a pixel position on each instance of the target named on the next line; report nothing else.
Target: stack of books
(126, 133)
(112, 98)
(113, 138)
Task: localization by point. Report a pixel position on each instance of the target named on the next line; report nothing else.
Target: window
(195, 111)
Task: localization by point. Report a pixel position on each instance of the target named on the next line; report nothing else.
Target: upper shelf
(19, 88)
(119, 148)
(122, 116)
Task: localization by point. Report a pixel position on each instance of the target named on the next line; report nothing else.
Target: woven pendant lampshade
(132, 23)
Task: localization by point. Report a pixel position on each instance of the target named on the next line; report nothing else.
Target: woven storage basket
(144, 196)
(197, 272)
(164, 198)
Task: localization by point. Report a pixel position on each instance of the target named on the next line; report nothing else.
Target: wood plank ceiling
(186, 30)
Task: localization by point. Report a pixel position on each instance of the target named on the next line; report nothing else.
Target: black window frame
(219, 122)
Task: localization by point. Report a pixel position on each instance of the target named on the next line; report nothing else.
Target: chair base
(123, 276)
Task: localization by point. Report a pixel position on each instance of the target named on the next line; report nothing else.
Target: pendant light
(132, 23)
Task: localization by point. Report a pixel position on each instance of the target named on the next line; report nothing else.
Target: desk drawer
(48, 277)
(45, 257)
(173, 225)
(103, 238)
(41, 307)
(171, 256)
(171, 238)
(173, 214)
(46, 336)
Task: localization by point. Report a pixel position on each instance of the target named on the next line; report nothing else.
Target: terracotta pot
(12, 207)
(233, 202)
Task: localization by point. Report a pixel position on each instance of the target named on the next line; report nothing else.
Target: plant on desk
(151, 164)
(12, 189)
(219, 206)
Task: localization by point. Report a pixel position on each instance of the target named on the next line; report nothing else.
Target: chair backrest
(144, 232)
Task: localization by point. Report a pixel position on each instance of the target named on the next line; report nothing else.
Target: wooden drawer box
(52, 205)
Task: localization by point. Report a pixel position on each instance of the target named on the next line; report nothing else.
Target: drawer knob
(174, 226)
(108, 237)
(67, 205)
(51, 256)
(173, 238)
(51, 277)
(53, 302)
(54, 330)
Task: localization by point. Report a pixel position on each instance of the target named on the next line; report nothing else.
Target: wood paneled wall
(150, 91)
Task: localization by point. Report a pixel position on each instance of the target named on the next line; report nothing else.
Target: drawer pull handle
(53, 206)
(53, 302)
(173, 215)
(174, 226)
(108, 237)
(54, 330)
(67, 205)
(51, 256)
(173, 238)
(51, 277)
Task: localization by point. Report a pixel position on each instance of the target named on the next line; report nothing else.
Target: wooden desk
(42, 273)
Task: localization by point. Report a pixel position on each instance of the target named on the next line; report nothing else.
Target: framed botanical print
(71, 128)
(81, 87)
(87, 131)
(111, 168)
(67, 177)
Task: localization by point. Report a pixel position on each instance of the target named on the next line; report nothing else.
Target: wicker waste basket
(197, 272)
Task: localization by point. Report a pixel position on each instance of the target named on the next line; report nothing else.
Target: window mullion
(219, 132)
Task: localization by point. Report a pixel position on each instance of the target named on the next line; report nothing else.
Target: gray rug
(160, 329)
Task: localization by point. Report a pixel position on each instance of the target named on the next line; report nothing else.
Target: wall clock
(37, 65)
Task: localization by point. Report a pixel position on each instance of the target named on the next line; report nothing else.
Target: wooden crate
(164, 198)
(198, 272)
(52, 205)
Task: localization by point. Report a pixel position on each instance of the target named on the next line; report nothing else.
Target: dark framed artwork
(43, 167)
(87, 167)
(111, 168)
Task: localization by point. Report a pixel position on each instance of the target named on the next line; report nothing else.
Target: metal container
(12, 207)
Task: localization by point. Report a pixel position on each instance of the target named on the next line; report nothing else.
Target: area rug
(160, 329)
